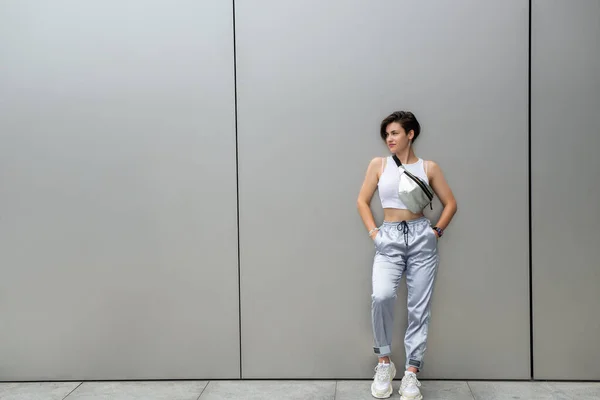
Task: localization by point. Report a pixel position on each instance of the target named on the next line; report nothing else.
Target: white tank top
(388, 182)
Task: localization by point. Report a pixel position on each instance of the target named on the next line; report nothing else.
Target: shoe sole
(419, 397)
(383, 396)
(389, 393)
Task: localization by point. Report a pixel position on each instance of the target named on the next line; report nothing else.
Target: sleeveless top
(388, 182)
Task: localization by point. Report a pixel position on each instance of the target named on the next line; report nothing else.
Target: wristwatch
(439, 231)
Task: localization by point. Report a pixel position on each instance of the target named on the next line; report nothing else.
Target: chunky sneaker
(409, 388)
(381, 388)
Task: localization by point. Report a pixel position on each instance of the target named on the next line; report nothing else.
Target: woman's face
(396, 138)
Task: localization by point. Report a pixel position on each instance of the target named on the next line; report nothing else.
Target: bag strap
(398, 163)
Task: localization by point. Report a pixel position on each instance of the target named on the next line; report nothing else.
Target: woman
(406, 244)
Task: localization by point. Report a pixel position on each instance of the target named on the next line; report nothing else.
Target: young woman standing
(406, 244)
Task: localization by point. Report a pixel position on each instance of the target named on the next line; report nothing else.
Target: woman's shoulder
(431, 168)
(378, 161)
(430, 164)
(377, 165)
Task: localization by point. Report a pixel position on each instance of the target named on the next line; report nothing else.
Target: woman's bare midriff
(396, 215)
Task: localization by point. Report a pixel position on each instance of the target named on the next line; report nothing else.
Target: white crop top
(388, 182)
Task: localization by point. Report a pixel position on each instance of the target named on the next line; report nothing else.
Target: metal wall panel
(565, 188)
(314, 81)
(118, 240)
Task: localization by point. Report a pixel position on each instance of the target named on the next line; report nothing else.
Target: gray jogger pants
(407, 247)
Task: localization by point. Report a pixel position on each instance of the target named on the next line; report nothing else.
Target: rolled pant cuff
(414, 363)
(383, 351)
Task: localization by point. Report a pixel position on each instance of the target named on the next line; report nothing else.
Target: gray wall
(118, 239)
(309, 105)
(120, 193)
(566, 188)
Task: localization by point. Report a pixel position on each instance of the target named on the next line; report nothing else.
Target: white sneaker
(381, 388)
(409, 388)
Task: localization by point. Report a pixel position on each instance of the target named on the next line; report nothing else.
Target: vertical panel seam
(237, 186)
(529, 195)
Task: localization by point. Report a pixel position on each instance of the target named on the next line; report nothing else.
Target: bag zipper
(421, 184)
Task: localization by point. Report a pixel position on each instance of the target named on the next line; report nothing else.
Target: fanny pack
(414, 193)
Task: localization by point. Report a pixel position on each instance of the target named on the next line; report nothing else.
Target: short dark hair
(407, 121)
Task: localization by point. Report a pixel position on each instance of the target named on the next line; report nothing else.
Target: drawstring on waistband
(404, 226)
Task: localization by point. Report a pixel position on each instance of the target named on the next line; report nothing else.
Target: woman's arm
(366, 194)
(442, 190)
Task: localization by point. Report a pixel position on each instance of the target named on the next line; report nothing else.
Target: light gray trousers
(410, 248)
